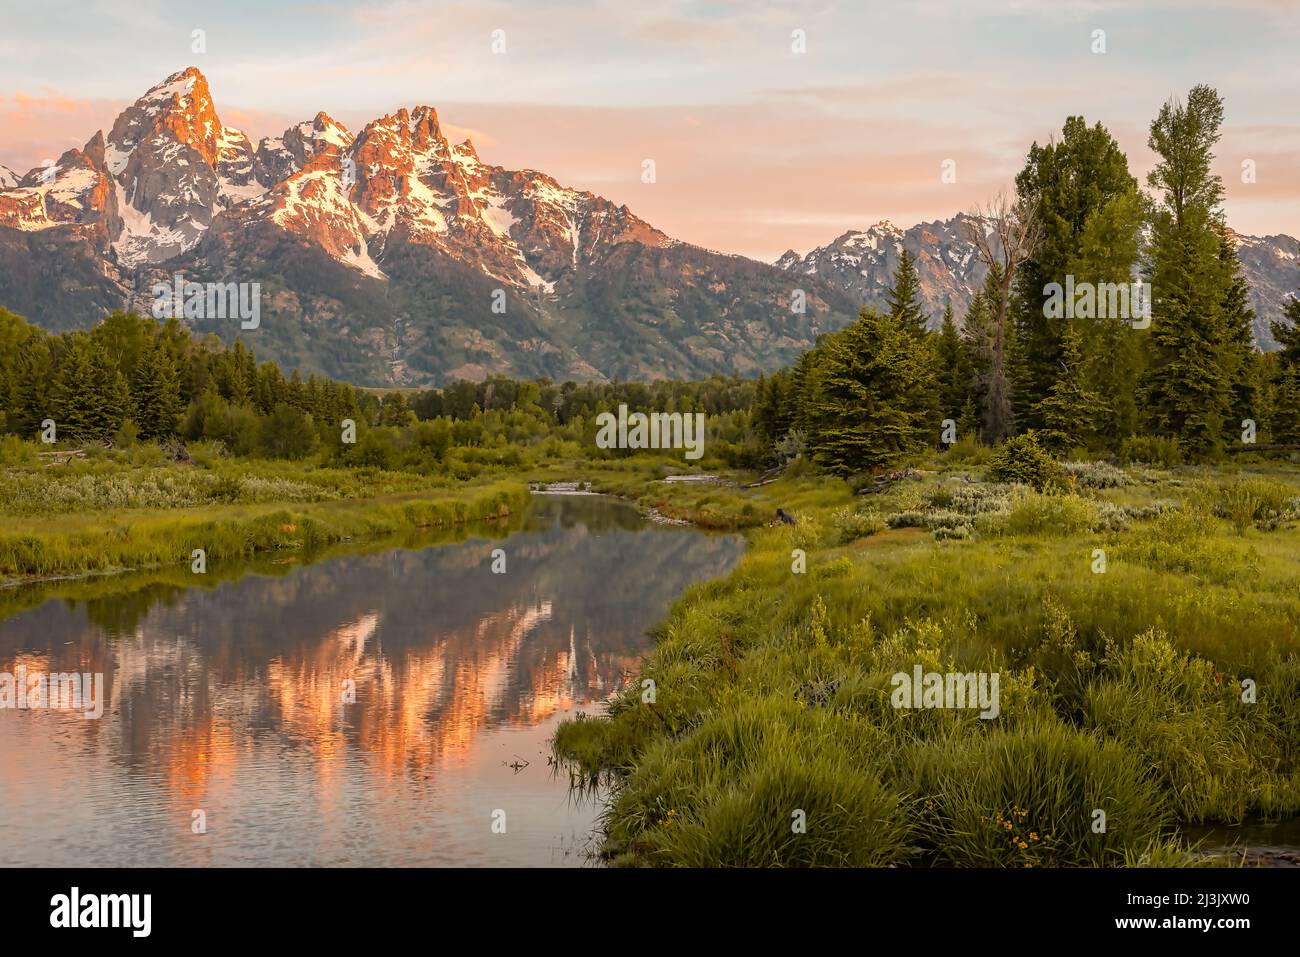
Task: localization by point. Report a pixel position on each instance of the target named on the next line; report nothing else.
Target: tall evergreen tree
(111, 397)
(977, 351)
(1240, 352)
(156, 392)
(1089, 212)
(29, 396)
(1187, 388)
(1286, 403)
(954, 367)
(72, 394)
(904, 298)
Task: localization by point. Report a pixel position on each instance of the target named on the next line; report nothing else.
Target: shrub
(1023, 459)
(1246, 501)
(15, 452)
(1096, 474)
(1152, 450)
(979, 499)
(967, 450)
(954, 533)
(1182, 718)
(1181, 541)
(854, 523)
(1036, 514)
(725, 794)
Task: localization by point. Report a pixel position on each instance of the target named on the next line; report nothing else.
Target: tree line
(132, 377)
(885, 386)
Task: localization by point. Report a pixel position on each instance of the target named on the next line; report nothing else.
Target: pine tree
(269, 389)
(1089, 212)
(861, 386)
(1239, 338)
(1286, 403)
(111, 397)
(977, 353)
(72, 395)
(29, 396)
(156, 392)
(1187, 388)
(954, 370)
(1070, 410)
(395, 411)
(904, 298)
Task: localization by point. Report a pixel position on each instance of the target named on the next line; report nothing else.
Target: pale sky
(757, 148)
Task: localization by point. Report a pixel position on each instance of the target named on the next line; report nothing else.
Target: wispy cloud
(758, 148)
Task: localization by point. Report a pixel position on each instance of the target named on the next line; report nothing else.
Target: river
(381, 706)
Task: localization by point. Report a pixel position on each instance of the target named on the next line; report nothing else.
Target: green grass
(121, 538)
(1120, 691)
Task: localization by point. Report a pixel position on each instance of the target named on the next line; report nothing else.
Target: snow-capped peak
(173, 171)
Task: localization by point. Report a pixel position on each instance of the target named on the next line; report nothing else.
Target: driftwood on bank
(885, 479)
(63, 457)
(767, 478)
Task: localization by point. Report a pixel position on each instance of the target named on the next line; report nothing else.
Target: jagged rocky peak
(76, 190)
(281, 156)
(180, 107)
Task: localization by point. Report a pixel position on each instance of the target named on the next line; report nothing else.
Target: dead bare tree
(1004, 234)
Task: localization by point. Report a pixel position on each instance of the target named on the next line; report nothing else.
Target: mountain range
(394, 256)
(951, 271)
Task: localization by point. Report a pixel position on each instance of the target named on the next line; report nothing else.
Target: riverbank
(1144, 626)
(42, 546)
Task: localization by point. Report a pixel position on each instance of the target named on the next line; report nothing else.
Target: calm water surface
(228, 699)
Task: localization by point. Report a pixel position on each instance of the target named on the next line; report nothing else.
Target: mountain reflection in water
(229, 700)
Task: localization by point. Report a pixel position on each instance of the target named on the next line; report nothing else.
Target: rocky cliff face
(390, 257)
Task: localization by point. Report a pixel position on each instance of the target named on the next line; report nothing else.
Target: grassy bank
(772, 739)
(96, 518)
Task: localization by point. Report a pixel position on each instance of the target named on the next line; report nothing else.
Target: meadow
(1145, 624)
(1143, 620)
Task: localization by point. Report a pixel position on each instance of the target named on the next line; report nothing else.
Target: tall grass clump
(766, 783)
(1030, 797)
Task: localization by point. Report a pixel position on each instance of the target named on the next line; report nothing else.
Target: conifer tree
(395, 412)
(1070, 410)
(977, 354)
(110, 396)
(1187, 388)
(1240, 353)
(862, 385)
(904, 298)
(954, 368)
(1286, 403)
(29, 394)
(72, 397)
(156, 392)
(1090, 214)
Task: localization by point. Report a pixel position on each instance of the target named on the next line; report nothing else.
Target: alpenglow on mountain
(381, 254)
(393, 256)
